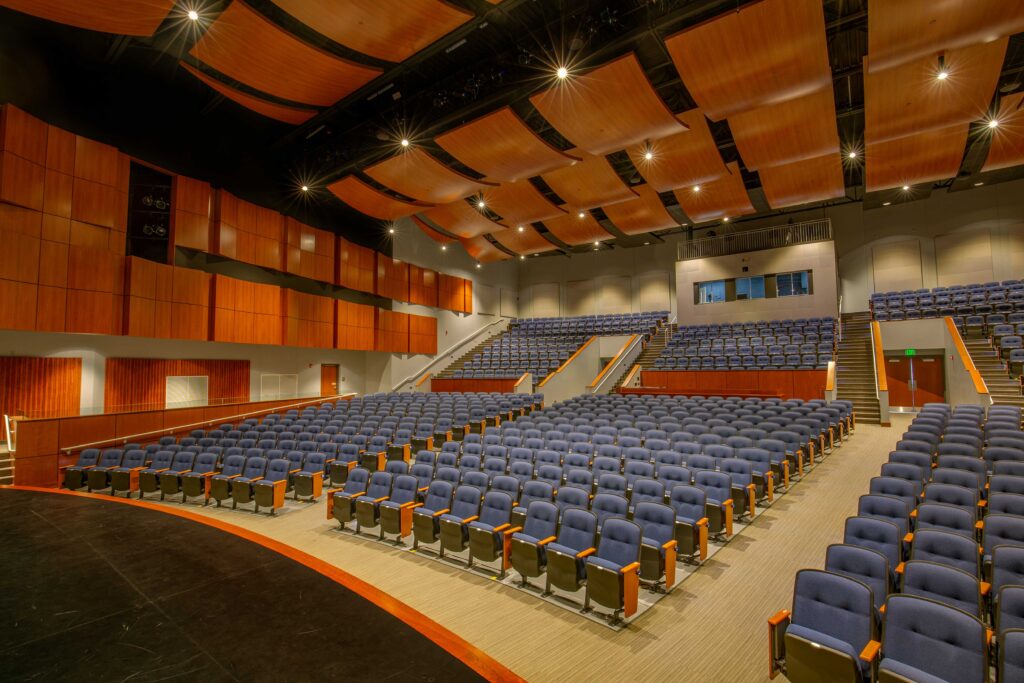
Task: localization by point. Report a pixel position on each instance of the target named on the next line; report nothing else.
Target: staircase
(1002, 389)
(855, 374)
(6, 466)
(655, 345)
(460, 362)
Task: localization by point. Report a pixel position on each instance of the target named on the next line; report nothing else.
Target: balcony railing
(756, 240)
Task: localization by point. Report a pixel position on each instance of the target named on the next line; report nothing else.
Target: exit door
(915, 380)
(328, 380)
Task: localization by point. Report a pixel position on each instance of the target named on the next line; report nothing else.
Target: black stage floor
(95, 590)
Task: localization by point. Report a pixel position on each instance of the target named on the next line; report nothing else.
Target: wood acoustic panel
(26, 136)
(482, 251)
(796, 130)
(733, 62)
(422, 286)
(356, 326)
(123, 17)
(100, 163)
(392, 30)
(577, 228)
(308, 320)
(415, 173)
(273, 110)
(392, 331)
(248, 47)
(459, 218)
(909, 99)
(723, 198)
(392, 278)
(804, 384)
(40, 387)
(687, 158)
(501, 146)
(800, 182)
(310, 252)
(588, 184)
(925, 157)
(192, 204)
(1007, 146)
(422, 334)
(523, 240)
(520, 202)
(644, 214)
(451, 293)
(357, 266)
(133, 384)
(371, 201)
(430, 232)
(22, 182)
(607, 109)
(903, 31)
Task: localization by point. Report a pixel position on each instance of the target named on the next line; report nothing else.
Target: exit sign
(910, 352)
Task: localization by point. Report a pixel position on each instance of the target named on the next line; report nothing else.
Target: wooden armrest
(502, 527)
(669, 544)
(545, 541)
(514, 529)
(585, 553)
(280, 483)
(183, 472)
(410, 505)
(329, 461)
(913, 513)
(206, 474)
(727, 503)
(982, 503)
(882, 609)
(870, 651)
(703, 521)
(779, 617)
(979, 525)
(298, 469)
(909, 538)
(631, 567)
(467, 520)
(899, 567)
(377, 500)
(985, 587)
(165, 469)
(441, 512)
(423, 488)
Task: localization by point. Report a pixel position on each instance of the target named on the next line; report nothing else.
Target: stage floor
(98, 590)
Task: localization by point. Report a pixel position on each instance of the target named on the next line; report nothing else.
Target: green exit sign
(910, 352)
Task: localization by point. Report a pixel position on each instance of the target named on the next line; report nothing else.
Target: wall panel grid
(40, 387)
(141, 383)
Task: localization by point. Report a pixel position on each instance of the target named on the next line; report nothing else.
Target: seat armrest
(441, 512)
(870, 651)
(631, 567)
(467, 520)
(899, 567)
(377, 500)
(502, 527)
(703, 521)
(779, 617)
(986, 587)
(909, 538)
(514, 529)
(410, 505)
(298, 469)
(545, 541)
(585, 553)
(669, 544)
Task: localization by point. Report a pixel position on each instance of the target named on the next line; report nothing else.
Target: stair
(1002, 389)
(6, 466)
(460, 362)
(855, 373)
(655, 345)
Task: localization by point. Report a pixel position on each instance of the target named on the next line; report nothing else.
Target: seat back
(688, 503)
(620, 542)
(607, 505)
(945, 547)
(934, 638)
(717, 486)
(835, 605)
(536, 490)
(571, 497)
(496, 508)
(875, 534)
(948, 585)
(1002, 530)
(233, 464)
(541, 520)
(439, 496)
(656, 521)
(466, 501)
(578, 530)
(379, 486)
(111, 457)
(403, 489)
(946, 518)
(870, 567)
(137, 458)
(183, 461)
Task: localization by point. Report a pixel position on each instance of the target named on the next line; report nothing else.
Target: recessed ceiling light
(562, 72)
(646, 243)
(478, 265)
(993, 123)
(480, 204)
(852, 154)
(405, 142)
(581, 214)
(725, 220)
(942, 75)
(979, 183)
(696, 188)
(597, 244)
(521, 229)
(522, 257)
(193, 15)
(305, 188)
(906, 188)
(648, 155)
(444, 247)
(391, 231)
(886, 203)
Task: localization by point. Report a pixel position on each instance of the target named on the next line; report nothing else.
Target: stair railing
(881, 380)
(448, 354)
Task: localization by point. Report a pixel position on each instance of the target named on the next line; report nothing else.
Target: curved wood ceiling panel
(576, 230)
(123, 17)
(607, 109)
(725, 197)
(800, 182)
(682, 159)
(526, 241)
(796, 130)
(640, 215)
(501, 146)
(392, 30)
(438, 237)
(273, 110)
(589, 183)
(764, 52)
(1007, 146)
(415, 173)
(520, 202)
(372, 201)
(482, 250)
(251, 49)
(925, 157)
(909, 99)
(459, 218)
(904, 30)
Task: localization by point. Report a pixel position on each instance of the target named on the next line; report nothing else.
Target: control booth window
(766, 286)
(793, 284)
(711, 292)
(750, 287)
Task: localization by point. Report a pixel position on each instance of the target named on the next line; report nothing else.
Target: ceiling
(674, 113)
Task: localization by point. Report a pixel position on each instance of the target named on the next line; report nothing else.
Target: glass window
(712, 292)
(750, 287)
(792, 284)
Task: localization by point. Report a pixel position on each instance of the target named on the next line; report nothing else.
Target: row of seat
(589, 325)
(911, 567)
(787, 345)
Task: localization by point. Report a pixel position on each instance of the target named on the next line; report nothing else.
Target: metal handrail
(171, 430)
(772, 237)
(605, 374)
(444, 354)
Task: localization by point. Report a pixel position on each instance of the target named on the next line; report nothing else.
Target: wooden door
(328, 380)
(897, 372)
(929, 380)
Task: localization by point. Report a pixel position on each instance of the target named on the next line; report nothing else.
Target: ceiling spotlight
(480, 204)
(696, 188)
(979, 183)
(647, 244)
(562, 72)
(444, 247)
(521, 229)
(478, 265)
(405, 142)
(906, 188)
(993, 123)
(886, 203)
(648, 155)
(391, 231)
(852, 154)
(942, 75)
(725, 220)
(581, 214)
(522, 257)
(597, 244)
(305, 188)
(193, 15)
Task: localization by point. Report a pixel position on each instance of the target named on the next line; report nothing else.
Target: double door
(915, 380)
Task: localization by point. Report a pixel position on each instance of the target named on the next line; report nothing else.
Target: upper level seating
(540, 345)
(803, 344)
(1004, 298)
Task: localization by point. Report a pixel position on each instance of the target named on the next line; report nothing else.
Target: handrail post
(881, 380)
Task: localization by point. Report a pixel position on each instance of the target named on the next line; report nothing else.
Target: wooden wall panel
(422, 286)
(308, 320)
(192, 204)
(40, 387)
(451, 292)
(356, 326)
(356, 265)
(392, 331)
(310, 252)
(422, 334)
(140, 383)
(21, 181)
(805, 384)
(392, 278)
(246, 232)
(23, 135)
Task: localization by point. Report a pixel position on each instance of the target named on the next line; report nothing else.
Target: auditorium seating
(932, 553)
(976, 308)
(802, 344)
(539, 345)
